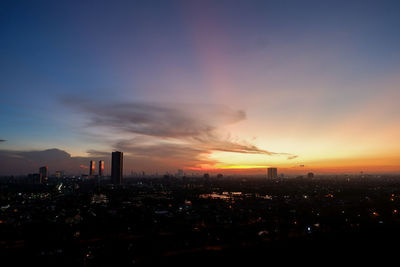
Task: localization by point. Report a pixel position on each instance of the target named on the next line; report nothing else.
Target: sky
(203, 86)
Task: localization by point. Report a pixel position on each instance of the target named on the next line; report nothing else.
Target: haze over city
(204, 86)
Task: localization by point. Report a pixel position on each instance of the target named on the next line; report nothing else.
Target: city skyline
(200, 86)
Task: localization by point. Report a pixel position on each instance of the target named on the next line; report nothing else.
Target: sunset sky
(225, 86)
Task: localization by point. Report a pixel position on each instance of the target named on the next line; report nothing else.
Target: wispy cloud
(160, 120)
(96, 153)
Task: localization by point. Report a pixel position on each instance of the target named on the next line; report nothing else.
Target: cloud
(159, 120)
(292, 157)
(226, 145)
(96, 153)
(14, 162)
(136, 158)
(163, 156)
(2, 140)
(181, 133)
(83, 166)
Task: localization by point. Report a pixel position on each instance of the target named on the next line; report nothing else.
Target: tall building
(272, 173)
(43, 172)
(101, 168)
(310, 175)
(92, 167)
(117, 159)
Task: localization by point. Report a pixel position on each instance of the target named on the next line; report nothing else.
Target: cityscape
(97, 220)
(199, 132)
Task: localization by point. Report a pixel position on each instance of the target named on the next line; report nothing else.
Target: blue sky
(311, 64)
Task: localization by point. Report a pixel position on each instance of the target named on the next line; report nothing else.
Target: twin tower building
(116, 167)
(92, 168)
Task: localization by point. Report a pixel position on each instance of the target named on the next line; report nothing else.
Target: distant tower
(272, 173)
(117, 159)
(101, 168)
(42, 173)
(310, 175)
(92, 167)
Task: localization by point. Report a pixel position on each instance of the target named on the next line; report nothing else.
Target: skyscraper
(116, 167)
(42, 173)
(272, 173)
(101, 167)
(92, 167)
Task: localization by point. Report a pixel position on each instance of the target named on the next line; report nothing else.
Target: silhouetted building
(220, 175)
(92, 168)
(116, 167)
(272, 173)
(310, 175)
(43, 173)
(101, 168)
(207, 180)
(60, 174)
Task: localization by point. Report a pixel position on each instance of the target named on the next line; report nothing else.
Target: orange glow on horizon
(328, 166)
(241, 167)
(232, 167)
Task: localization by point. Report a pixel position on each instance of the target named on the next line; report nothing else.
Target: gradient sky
(200, 85)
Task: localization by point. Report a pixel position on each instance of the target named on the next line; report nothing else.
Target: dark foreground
(200, 221)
